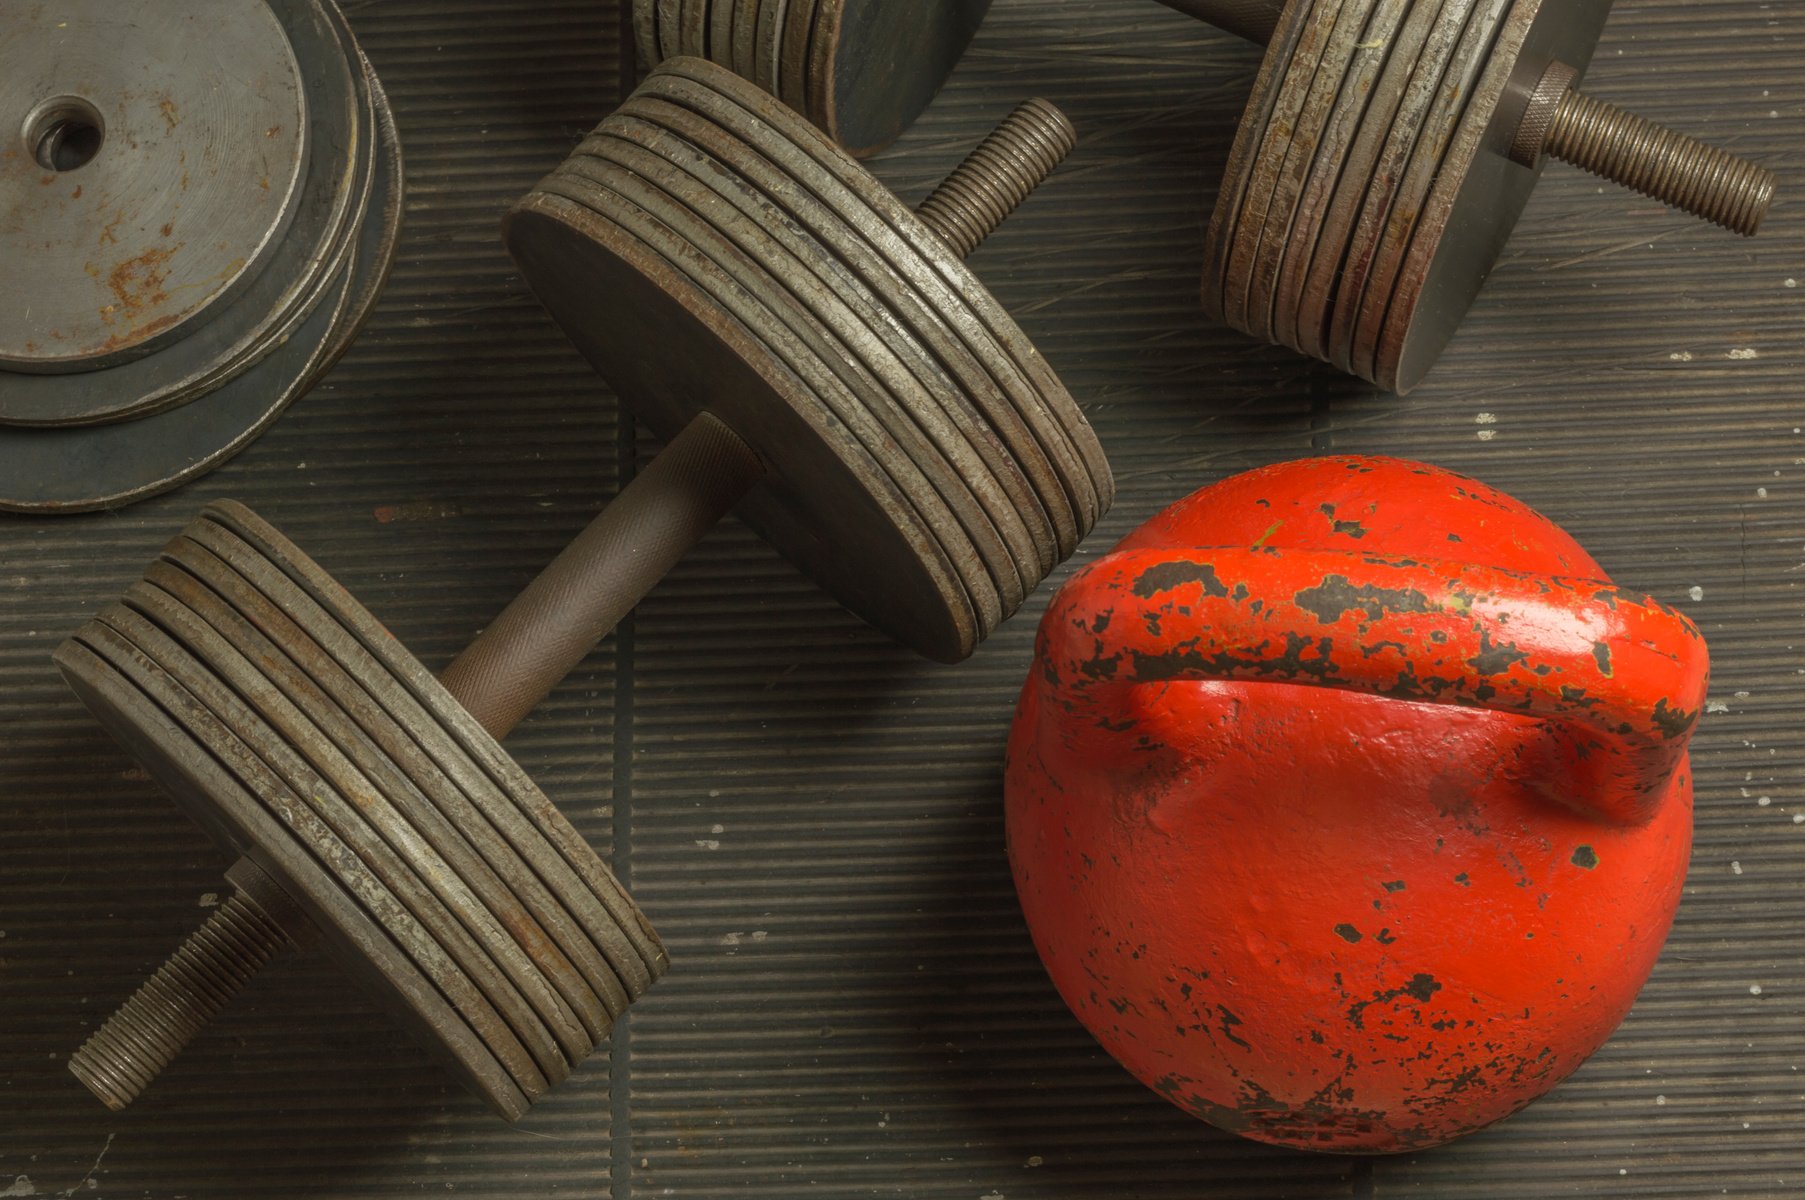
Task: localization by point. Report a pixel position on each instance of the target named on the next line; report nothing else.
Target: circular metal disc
(721, 14)
(434, 848)
(874, 65)
(944, 463)
(302, 263)
(768, 52)
(104, 466)
(391, 893)
(509, 885)
(645, 33)
(745, 37)
(1317, 290)
(201, 121)
(194, 757)
(734, 175)
(1388, 176)
(792, 60)
(1432, 145)
(692, 35)
(914, 251)
(1480, 193)
(669, 27)
(441, 714)
(617, 954)
(825, 503)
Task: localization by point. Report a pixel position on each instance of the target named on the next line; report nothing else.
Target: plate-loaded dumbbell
(816, 354)
(1389, 148)
(861, 70)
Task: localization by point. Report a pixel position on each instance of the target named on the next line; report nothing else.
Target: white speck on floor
(1716, 706)
(1761, 492)
(1697, 594)
(1486, 419)
(22, 1186)
(1680, 356)
(1765, 801)
(717, 829)
(708, 843)
(1754, 989)
(1735, 868)
(209, 899)
(1745, 354)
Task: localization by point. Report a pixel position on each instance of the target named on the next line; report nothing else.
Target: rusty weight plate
(309, 675)
(1336, 157)
(392, 894)
(912, 249)
(874, 65)
(442, 714)
(188, 154)
(188, 611)
(793, 56)
(796, 292)
(80, 469)
(732, 174)
(1480, 193)
(177, 739)
(645, 32)
(614, 949)
(826, 503)
(1315, 293)
(768, 47)
(298, 267)
(692, 35)
(1439, 127)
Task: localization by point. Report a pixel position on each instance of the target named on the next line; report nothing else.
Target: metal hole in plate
(65, 133)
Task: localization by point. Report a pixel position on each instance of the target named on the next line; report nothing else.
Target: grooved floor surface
(810, 815)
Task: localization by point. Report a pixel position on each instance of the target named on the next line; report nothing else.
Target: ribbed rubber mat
(810, 815)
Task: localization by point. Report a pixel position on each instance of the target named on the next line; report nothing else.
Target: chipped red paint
(1349, 803)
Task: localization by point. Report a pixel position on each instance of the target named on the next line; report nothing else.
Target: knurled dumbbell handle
(598, 579)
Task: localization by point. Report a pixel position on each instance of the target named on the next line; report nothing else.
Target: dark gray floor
(810, 815)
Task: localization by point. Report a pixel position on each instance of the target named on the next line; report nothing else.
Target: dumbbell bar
(1388, 150)
(371, 804)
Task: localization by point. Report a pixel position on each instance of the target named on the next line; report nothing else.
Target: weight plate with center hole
(754, 188)
(745, 37)
(165, 141)
(772, 20)
(458, 874)
(645, 33)
(792, 61)
(692, 37)
(177, 739)
(884, 386)
(301, 266)
(622, 950)
(874, 66)
(393, 894)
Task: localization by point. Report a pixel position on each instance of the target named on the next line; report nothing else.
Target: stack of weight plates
(925, 466)
(862, 70)
(1370, 188)
(294, 729)
(202, 199)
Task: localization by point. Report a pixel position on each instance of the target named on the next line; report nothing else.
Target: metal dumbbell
(1387, 152)
(191, 240)
(861, 70)
(816, 354)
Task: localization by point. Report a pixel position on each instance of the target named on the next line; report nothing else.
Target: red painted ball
(1349, 803)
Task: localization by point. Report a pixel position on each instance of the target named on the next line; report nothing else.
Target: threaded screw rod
(1013, 159)
(161, 1017)
(1683, 172)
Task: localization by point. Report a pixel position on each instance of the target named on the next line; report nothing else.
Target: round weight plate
(1389, 175)
(395, 896)
(768, 51)
(611, 965)
(1358, 177)
(875, 65)
(825, 502)
(692, 35)
(744, 45)
(77, 470)
(1425, 164)
(825, 402)
(1268, 167)
(669, 27)
(755, 189)
(443, 713)
(457, 874)
(232, 605)
(720, 31)
(192, 755)
(792, 61)
(164, 144)
(300, 266)
(1306, 144)
(1479, 193)
(883, 385)
(1250, 135)
(645, 33)
(845, 187)
(1281, 281)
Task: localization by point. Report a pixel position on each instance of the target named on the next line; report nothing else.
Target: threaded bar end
(1013, 159)
(1711, 184)
(150, 1029)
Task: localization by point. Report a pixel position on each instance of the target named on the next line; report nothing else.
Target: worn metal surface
(1349, 802)
(892, 1029)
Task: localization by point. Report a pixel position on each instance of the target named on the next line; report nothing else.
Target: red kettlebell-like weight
(1349, 803)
